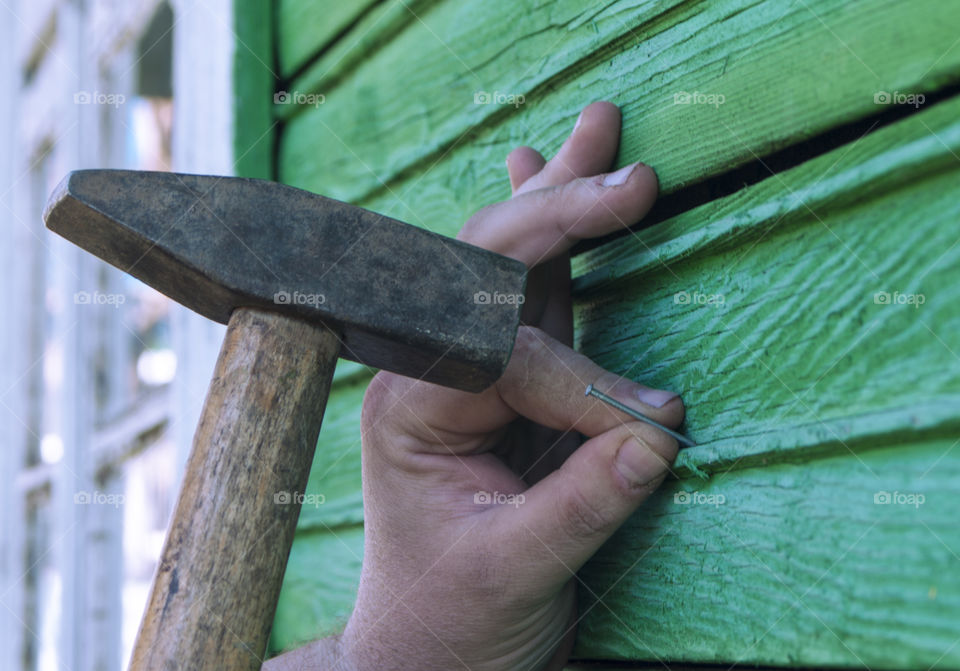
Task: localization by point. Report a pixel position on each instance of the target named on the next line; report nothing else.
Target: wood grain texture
(319, 587)
(796, 565)
(786, 70)
(807, 396)
(374, 28)
(254, 81)
(799, 340)
(305, 27)
(216, 587)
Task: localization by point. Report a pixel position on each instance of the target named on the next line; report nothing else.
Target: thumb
(569, 514)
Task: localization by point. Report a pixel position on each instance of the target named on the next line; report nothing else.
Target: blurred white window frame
(54, 550)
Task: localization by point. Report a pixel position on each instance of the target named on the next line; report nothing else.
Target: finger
(545, 381)
(590, 149)
(540, 225)
(568, 515)
(522, 164)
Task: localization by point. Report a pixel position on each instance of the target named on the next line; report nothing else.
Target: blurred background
(102, 378)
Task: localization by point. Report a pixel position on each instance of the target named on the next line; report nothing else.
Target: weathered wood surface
(217, 583)
(799, 340)
(797, 566)
(374, 28)
(320, 586)
(818, 369)
(786, 70)
(307, 26)
(807, 396)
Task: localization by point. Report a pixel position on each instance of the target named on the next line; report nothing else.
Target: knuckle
(474, 229)
(527, 350)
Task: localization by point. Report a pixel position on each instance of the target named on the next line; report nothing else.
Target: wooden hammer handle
(216, 587)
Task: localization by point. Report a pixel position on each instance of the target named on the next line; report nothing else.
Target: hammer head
(403, 299)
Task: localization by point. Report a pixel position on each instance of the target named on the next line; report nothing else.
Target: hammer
(300, 280)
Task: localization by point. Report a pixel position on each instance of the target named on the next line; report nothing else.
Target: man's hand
(480, 508)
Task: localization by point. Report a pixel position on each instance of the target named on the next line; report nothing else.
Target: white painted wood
(103, 607)
(33, 20)
(12, 432)
(72, 274)
(203, 143)
(90, 51)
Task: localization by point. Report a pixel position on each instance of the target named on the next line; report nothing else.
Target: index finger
(539, 225)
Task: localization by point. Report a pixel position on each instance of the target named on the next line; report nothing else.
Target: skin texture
(450, 579)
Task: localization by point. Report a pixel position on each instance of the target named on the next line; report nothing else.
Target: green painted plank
(701, 582)
(373, 30)
(319, 587)
(790, 564)
(333, 497)
(799, 340)
(253, 85)
(787, 71)
(307, 26)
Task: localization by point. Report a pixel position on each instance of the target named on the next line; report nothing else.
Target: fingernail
(656, 398)
(579, 119)
(637, 463)
(619, 177)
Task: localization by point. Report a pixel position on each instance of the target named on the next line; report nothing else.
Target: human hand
(455, 579)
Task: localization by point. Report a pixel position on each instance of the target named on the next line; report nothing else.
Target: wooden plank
(799, 339)
(374, 29)
(254, 82)
(307, 26)
(334, 486)
(319, 587)
(795, 565)
(787, 71)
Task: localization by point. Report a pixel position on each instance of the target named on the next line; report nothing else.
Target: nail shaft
(636, 414)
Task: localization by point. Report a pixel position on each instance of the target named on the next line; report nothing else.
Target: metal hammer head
(404, 299)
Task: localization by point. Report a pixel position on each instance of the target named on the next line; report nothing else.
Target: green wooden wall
(798, 283)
